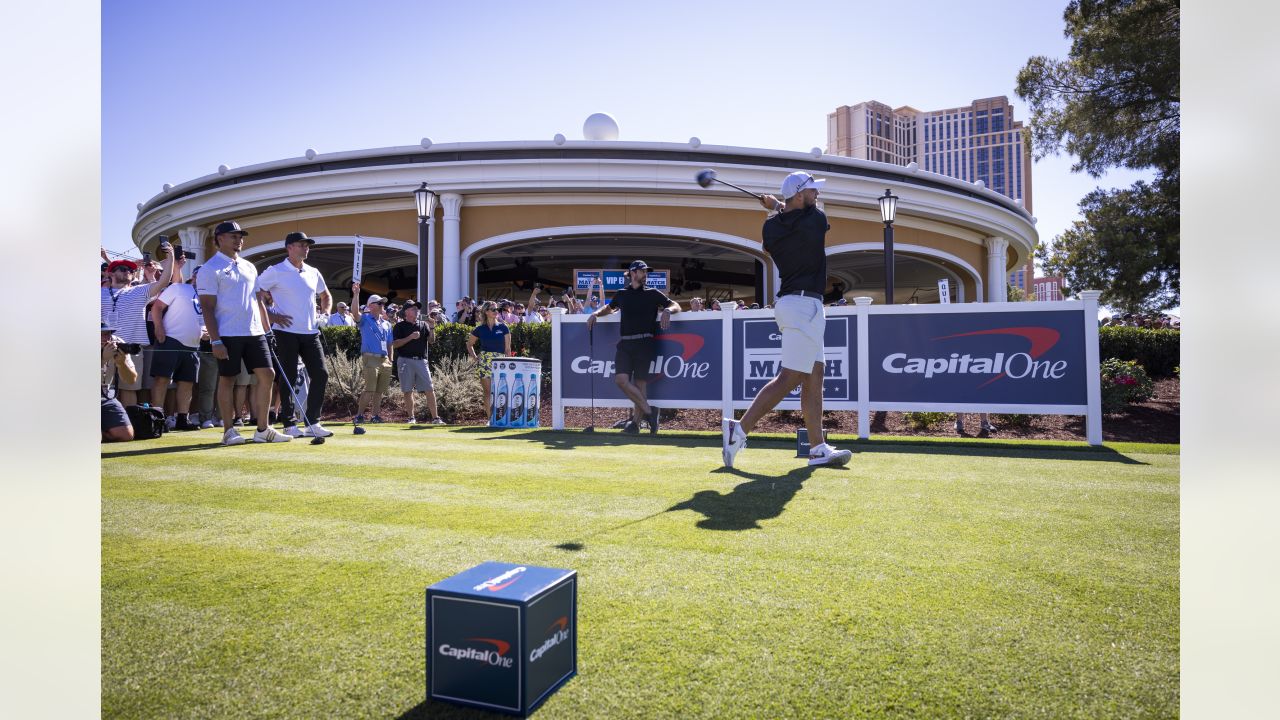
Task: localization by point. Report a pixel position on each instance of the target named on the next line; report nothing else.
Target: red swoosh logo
(562, 623)
(1041, 338)
(503, 647)
(507, 584)
(690, 344)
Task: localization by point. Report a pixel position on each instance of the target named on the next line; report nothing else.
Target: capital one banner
(688, 365)
(1024, 358)
(757, 358)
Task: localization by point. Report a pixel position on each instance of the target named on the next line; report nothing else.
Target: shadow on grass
(568, 440)
(580, 544)
(164, 449)
(994, 449)
(760, 498)
(439, 709)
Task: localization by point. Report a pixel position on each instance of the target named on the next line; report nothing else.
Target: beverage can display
(516, 406)
(500, 398)
(531, 403)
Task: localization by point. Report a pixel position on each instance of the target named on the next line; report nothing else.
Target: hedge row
(1157, 351)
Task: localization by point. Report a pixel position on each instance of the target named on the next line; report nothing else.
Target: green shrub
(1157, 351)
(346, 383)
(1124, 383)
(1015, 420)
(451, 342)
(341, 339)
(458, 390)
(924, 420)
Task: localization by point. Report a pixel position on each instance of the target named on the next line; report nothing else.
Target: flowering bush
(1124, 383)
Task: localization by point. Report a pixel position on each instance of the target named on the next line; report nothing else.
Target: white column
(451, 277)
(431, 264)
(997, 276)
(193, 239)
(1093, 392)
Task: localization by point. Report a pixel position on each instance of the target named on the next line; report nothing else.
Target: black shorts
(633, 357)
(113, 414)
(251, 349)
(175, 361)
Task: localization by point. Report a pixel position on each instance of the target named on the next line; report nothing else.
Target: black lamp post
(888, 208)
(426, 202)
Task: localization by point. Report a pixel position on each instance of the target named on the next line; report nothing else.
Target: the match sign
(615, 280)
(357, 265)
(757, 358)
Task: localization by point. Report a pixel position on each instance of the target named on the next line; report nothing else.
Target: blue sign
(757, 358)
(688, 365)
(615, 280)
(1012, 358)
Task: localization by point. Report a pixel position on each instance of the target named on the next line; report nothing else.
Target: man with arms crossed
(637, 345)
(295, 286)
(237, 320)
(410, 338)
(796, 240)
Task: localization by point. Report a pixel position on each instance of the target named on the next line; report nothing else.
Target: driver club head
(357, 430)
(706, 177)
(317, 441)
(588, 429)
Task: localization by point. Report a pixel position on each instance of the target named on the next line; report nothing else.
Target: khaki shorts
(246, 376)
(803, 324)
(376, 371)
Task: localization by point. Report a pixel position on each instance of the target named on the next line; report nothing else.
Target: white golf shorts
(803, 325)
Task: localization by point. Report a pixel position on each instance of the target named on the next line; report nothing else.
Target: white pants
(803, 325)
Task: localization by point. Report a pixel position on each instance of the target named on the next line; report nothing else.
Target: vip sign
(758, 358)
(615, 280)
(502, 636)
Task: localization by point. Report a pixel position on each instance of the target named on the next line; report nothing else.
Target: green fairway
(926, 579)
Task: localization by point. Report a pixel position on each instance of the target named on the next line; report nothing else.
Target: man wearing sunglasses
(795, 238)
(124, 307)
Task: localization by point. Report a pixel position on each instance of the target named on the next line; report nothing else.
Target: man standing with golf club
(296, 286)
(795, 239)
(644, 311)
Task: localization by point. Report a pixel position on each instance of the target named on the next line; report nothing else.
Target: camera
(129, 348)
(162, 248)
(146, 256)
(185, 253)
(537, 286)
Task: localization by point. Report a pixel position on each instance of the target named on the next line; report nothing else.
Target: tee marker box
(502, 636)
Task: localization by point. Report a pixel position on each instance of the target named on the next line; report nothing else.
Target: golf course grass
(926, 579)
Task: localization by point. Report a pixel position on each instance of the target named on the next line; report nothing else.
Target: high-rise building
(977, 142)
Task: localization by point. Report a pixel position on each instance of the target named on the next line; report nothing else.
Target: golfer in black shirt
(641, 307)
(795, 239)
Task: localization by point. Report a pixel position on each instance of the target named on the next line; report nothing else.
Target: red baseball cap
(117, 264)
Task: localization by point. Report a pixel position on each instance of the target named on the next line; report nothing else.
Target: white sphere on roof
(816, 152)
(166, 187)
(694, 142)
(558, 139)
(426, 143)
(600, 126)
(912, 167)
(139, 207)
(222, 169)
(311, 154)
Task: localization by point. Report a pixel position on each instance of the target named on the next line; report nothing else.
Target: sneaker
(631, 428)
(270, 436)
(959, 427)
(653, 419)
(206, 424)
(315, 430)
(239, 422)
(824, 454)
(171, 422)
(438, 421)
(182, 423)
(988, 427)
(413, 421)
(293, 431)
(376, 419)
(231, 437)
(732, 438)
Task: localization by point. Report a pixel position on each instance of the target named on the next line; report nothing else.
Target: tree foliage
(1114, 102)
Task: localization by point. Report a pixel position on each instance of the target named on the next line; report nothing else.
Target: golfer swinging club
(795, 239)
(637, 345)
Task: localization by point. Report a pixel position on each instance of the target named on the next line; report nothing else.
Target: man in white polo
(124, 307)
(236, 318)
(296, 287)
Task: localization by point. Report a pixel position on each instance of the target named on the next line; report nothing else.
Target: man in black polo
(409, 338)
(795, 238)
(644, 310)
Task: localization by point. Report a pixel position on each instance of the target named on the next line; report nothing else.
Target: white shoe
(231, 437)
(206, 424)
(293, 431)
(316, 431)
(270, 436)
(824, 454)
(438, 421)
(171, 422)
(732, 439)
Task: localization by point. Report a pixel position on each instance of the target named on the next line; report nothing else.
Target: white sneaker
(316, 431)
(206, 424)
(293, 431)
(231, 437)
(824, 454)
(171, 422)
(270, 436)
(438, 421)
(732, 438)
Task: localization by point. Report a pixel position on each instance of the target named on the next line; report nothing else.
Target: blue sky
(189, 86)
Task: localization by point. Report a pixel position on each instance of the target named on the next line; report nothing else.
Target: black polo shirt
(797, 242)
(639, 309)
(413, 348)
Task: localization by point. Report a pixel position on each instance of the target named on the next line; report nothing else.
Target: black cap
(106, 327)
(637, 265)
(411, 303)
(229, 226)
(294, 237)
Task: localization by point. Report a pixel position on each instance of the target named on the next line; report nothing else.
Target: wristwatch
(215, 342)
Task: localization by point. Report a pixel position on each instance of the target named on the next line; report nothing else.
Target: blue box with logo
(502, 636)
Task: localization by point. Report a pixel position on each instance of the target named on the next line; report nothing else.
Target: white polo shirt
(234, 282)
(183, 318)
(294, 292)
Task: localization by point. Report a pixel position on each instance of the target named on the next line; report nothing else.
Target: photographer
(410, 339)
(124, 306)
(532, 315)
(116, 366)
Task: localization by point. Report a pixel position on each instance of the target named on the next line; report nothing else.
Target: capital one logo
(679, 365)
(505, 580)
(495, 656)
(556, 634)
(1016, 366)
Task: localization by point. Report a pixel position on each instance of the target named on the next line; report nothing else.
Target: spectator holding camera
(178, 323)
(116, 367)
(124, 307)
(494, 339)
(375, 355)
(410, 339)
(237, 321)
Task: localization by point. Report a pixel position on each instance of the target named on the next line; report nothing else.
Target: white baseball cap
(375, 299)
(797, 181)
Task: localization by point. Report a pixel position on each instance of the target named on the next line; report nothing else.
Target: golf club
(706, 177)
(591, 352)
(297, 404)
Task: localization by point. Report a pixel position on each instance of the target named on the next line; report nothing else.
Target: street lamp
(426, 202)
(888, 208)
